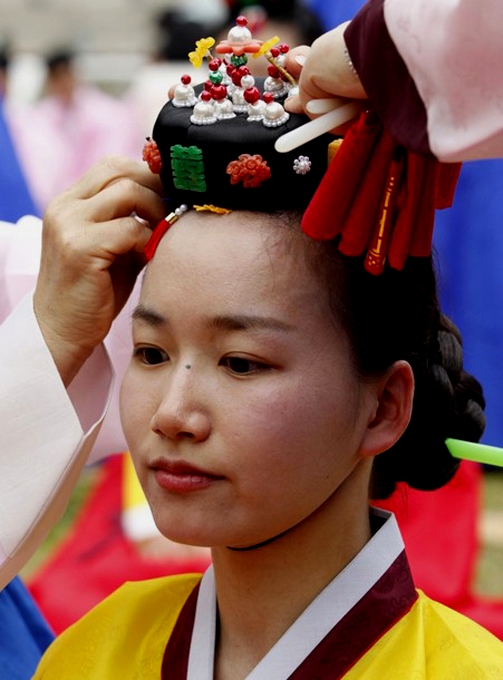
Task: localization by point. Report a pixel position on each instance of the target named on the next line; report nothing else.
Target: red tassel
(325, 215)
(362, 216)
(407, 210)
(378, 246)
(422, 235)
(447, 181)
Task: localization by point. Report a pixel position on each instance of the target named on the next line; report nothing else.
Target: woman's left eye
(242, 366)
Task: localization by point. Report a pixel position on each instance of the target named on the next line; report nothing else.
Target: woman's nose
(182, 412)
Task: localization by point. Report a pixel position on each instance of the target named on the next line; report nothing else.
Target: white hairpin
(314, 128)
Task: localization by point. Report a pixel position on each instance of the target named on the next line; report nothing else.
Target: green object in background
(480, 453)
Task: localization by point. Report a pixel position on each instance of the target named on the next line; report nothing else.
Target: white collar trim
(317, 620)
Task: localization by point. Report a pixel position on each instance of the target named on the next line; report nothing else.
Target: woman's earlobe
(393, 412)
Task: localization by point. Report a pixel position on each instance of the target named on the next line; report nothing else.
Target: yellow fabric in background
(132, 493)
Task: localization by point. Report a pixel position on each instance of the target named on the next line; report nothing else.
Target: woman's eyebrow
(246, 322)
(229, 323)
(148, 316)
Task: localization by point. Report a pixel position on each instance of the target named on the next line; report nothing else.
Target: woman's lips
(182, 477)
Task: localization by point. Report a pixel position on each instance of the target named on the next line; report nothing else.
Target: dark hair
(4, 57)
(178, 33)
(295, 12)
(59, 58)
(394, 316)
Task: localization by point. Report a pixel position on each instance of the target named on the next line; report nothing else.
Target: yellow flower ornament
(202, 48)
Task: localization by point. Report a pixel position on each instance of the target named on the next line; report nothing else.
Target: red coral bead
(251, 95)
(273, 71)
(218, 92)
(152, 156)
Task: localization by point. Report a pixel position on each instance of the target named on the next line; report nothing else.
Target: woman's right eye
(151, 356)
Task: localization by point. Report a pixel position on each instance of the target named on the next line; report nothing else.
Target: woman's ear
(394, 394)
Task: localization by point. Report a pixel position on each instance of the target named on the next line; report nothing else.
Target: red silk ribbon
(379, 198)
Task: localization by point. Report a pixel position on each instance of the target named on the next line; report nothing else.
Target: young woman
(275, 386)
(271, 385)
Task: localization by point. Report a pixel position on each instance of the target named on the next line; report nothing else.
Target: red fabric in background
(441, 534)
(440, 530)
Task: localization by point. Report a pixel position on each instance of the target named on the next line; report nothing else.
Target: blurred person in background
(15, 198)
(177, 30)
(69, 129)
(4, 67)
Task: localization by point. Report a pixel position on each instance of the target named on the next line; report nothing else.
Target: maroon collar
(377, 611)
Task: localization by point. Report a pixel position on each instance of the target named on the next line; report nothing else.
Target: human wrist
(339, 75)
(68, 357)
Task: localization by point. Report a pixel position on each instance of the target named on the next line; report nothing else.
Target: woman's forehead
(245, 254)
(242, 234)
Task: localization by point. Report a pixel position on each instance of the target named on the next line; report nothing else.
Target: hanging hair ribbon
(385, 197)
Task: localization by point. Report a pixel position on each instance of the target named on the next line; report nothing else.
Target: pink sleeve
(46, 434)
(454, 52)
(20, 246)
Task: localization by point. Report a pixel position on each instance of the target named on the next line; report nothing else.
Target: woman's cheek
(132, 410)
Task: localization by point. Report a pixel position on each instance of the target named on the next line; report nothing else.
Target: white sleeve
(19, 260)
(20, 246)
(46, 434)
(453, 50)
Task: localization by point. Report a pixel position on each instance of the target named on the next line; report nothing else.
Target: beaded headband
(229, 142)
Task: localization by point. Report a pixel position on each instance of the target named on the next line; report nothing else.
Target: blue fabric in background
(469, 243)
(334, 12)
(15, 198)
(24, 635)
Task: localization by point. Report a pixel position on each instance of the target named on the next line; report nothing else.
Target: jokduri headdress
(230, 143)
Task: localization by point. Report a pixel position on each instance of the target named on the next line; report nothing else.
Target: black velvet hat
(215, 143)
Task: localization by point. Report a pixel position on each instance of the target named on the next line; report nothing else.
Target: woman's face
(240, 406)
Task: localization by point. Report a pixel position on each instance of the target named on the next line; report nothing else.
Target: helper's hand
(322, 71)
(92, 249)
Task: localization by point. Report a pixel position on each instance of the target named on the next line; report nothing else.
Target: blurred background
(113, 39)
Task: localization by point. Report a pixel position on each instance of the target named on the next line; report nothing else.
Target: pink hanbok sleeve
(431, 69)
(453, 49)
(47, 433)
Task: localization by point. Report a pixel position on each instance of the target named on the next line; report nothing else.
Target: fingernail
(301, 59)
